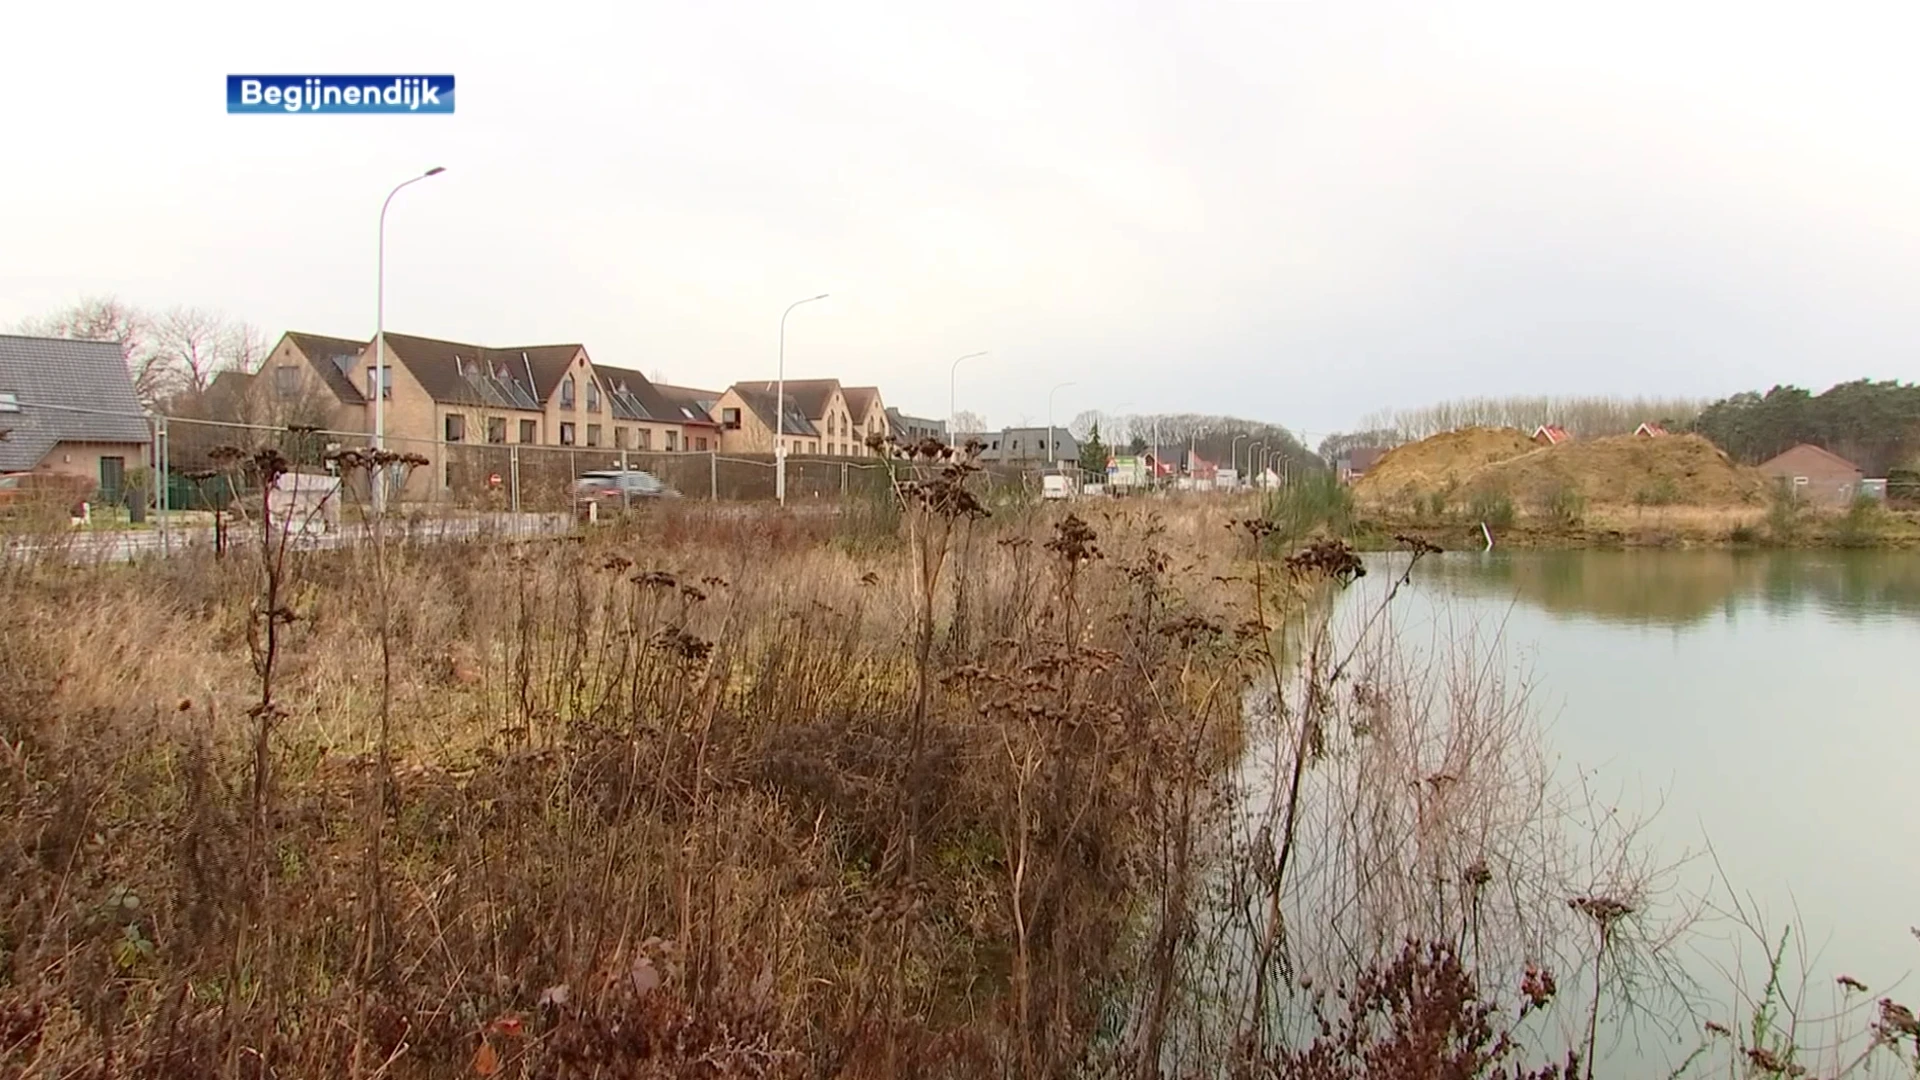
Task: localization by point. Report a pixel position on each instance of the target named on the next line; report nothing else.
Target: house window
(646, 438)
(730, 419)
(593, 396)
(593, 434)
(386, 382)
(566, 394)
(813, 448)
(529, 431)
(496, 429)
(456, 427)
(566, 433)
(619, 438)
(673, 441)
(286, 380)
(700, 443)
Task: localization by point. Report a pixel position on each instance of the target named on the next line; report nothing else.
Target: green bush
(1663, 492)
(1494, 508)
(1564, 505)
(1863, 523)
(1315, 501)
(1786, 515)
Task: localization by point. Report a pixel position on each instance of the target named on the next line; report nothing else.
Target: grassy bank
(944, 788)
(740, 794)
(1869, 525)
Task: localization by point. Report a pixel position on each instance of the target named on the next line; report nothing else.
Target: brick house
(745, 413)
(1354, 464)
(1550, 435)
(1819, 476)
(694, 407)
(869, 416)
(821, 417)
(68, 407)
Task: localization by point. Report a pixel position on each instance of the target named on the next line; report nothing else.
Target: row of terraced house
(441, 395)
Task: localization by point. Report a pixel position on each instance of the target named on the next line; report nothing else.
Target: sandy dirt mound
(1435, 462)
(1679, 470)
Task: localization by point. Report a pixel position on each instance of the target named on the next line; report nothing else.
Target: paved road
(130, 544)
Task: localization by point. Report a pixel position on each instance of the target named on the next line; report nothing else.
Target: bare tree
(197, 344)
(1589, 416)
(108, 318)
(969, 422)
(179, 351)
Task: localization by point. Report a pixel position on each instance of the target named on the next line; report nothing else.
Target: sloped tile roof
(860, 400)
(692, 405)
(63, 391)
(457, 373)
(326, 354)
(634, 396)
(762, 404)
(810, 396)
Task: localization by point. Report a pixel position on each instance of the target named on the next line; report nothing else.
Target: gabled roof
(456, 373)
(1553, 433)
(1650, 430)
(762, 404)
(330, 358)
(634, 397)
(809, 395)
(1805, 449)
(691, 405)
(860, 400)
(63, 391)
(1361, 458)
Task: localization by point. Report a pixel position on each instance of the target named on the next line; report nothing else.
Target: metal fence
(487, 487)
(507, 477)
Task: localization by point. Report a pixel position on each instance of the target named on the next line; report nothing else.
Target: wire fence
(185, 486)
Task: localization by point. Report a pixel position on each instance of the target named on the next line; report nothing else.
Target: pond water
(1763, 708)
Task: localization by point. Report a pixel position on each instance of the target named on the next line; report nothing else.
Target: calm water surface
(1767, 704)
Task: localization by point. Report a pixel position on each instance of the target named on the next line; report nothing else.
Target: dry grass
(1440, 462)
(657, 802)
(724, 793)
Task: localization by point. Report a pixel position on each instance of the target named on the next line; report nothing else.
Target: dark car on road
(614, 487)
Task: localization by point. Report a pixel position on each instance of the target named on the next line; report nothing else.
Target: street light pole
(1233, 455)
(953, 374)
(1052, 454)
(780, 407)
(379, 492)
(1253, 448)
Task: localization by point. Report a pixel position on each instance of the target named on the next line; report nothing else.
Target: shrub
(1564, 504)
(1862, 524)
(1662, 492)
(1317, 501)
(1494, 508)
(1786, 515)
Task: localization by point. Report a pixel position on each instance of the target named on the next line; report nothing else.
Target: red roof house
(1550, 435)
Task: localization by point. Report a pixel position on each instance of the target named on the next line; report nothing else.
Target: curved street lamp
(953, 373)
(780, 407)
(379, 388)
(1052, 453)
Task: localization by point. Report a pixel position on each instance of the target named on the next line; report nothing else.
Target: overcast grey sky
(1292, 212)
